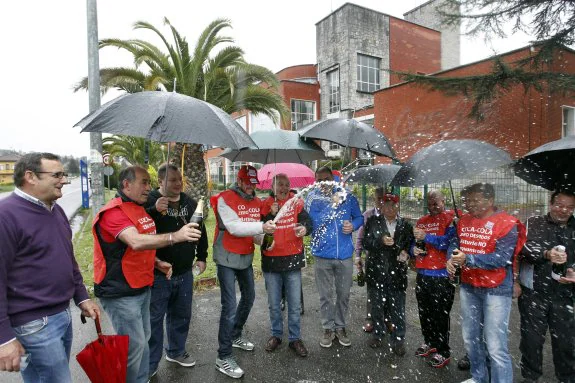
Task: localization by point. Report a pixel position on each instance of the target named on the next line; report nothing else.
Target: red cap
(248, 174)
(390, 197)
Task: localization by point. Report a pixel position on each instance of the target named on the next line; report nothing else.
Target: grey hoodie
(228, 218)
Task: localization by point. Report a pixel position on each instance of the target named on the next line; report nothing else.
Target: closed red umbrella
(299, 175)
(105, 359)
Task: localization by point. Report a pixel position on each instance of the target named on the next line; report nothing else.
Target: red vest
(479, 236)
(247, 211)
(137, 266)
(435, 225)
(286, 242)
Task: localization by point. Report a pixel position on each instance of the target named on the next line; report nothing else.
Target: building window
(333, 89)
(302, 112)
(2, 167)
(568, 121)
(367, 73)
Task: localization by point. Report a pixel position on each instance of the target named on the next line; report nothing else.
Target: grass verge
(84, 251)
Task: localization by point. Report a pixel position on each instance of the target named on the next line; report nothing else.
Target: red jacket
(137, 267)
(479, 236)
(436, 225)
(247, 211)
(286, 242)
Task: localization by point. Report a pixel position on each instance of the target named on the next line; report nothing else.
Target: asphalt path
(355, 364)
(71, 199)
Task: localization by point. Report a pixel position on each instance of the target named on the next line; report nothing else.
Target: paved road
(355, 364)
(71, 197)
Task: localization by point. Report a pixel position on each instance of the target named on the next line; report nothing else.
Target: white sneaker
(469, 381)
(245, 345)
(229, 367)
(184, 360)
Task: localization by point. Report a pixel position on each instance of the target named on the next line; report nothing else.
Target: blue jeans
(171, 299)
(232, 318)
(484, 327)
(292, 282)
(48, 341)
(131, 316)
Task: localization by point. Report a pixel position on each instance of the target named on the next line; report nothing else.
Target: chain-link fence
(512, 194)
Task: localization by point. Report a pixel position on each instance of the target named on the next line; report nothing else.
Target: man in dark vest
(546, 299)
(171, 209)
(124, 259)
(238, 212)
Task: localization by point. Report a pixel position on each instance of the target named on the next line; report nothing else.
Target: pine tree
(550, 22)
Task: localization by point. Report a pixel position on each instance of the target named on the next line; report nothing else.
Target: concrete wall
(427, 15)
(343, 34)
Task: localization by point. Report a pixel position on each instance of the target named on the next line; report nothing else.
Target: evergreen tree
(550, 22)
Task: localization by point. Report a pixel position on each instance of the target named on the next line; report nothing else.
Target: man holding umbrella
(238, 214)
(172, 297)
(545, 301)
(485, 246)
(125, 240)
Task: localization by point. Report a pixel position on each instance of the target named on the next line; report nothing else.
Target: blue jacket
(327, 238)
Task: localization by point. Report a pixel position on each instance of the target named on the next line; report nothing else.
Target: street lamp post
(96, 166)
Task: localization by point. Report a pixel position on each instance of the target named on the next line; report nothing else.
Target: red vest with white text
(479, 236)
(286, 242)
(435, 225)
(137, 266)
(247, 211)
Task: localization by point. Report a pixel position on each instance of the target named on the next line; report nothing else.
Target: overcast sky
(44, 52)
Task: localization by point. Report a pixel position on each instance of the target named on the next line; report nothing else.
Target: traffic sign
(108, 170)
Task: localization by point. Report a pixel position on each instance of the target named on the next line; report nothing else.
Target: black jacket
(382, 267)
(543, 234)
(182, 254)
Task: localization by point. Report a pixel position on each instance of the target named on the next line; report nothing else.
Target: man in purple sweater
(38, 274)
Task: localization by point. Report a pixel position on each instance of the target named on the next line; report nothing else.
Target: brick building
(356, 49)
(518, 121)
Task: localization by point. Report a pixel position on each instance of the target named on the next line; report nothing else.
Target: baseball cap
(390, 197)
(249, 174)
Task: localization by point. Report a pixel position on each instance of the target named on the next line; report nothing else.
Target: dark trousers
(387, 305)
(232, 317)
(434, 301)
(539, 311)
(171, 299)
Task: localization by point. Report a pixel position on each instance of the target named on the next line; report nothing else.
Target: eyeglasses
(58, 175)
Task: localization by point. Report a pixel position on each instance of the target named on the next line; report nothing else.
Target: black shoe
(464, 363)
(273, 343)
(298, 347)
(399, 349)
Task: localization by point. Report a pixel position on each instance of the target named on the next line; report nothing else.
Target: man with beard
(172, 294)
(238, 213)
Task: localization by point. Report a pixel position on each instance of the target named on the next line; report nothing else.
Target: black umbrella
(376, 174)
(167, 117)
(551, 166)
(277, 146)
(450, 159)
(349, 133)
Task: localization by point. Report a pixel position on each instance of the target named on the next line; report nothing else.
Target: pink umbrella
(299, 175)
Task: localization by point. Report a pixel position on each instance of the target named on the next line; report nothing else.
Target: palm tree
(224, 79)
(133, 150)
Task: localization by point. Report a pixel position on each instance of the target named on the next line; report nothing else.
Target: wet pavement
(357, 363)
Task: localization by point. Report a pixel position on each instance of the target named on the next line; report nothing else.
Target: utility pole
(96, 165)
